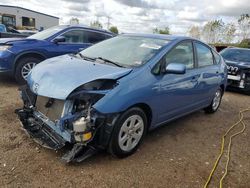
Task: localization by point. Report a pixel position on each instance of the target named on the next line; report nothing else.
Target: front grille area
(55, 109)
(233, 70)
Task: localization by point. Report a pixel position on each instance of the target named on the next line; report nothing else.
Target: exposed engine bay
(53, 123)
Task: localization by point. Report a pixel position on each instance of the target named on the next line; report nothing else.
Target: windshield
(127, 51)
(46, 33)
(240, 55)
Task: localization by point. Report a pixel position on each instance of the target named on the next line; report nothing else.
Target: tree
(96, 24)
(195, 32)
(213, 30)
(229, 31)
(244, 26)
(165, 31)
(74, 21)
(114, 29)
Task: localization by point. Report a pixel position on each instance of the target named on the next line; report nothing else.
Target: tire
(127, 136)
(215, 104)
(22, 67)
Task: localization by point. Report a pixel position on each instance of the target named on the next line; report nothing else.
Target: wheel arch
(28, 54)
(147, 110)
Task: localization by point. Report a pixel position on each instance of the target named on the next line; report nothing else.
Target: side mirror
(175, 68)
(59, 39)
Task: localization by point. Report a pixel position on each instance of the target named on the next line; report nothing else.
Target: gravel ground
(180, 154)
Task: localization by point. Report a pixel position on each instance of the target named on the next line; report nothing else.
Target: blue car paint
(45, 48)
(168, 96)
(55, 77)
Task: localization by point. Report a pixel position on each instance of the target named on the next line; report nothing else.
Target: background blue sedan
(19, 56)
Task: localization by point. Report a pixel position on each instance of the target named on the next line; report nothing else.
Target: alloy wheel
(217, 99)
(131, 133)
(26, 69)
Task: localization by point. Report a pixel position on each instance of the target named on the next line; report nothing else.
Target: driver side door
(176, 94)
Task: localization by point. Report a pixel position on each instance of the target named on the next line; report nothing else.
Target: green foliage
(96, 24)
(229, 31)
(212, 31)
(244, 44)
(74, 21)
(114, 29)
(165, 31)
(244, 26)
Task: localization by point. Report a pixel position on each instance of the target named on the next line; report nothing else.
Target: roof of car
(88, 27)
(237, 48)
(157, 36)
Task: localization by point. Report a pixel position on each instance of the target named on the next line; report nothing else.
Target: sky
(140, 15)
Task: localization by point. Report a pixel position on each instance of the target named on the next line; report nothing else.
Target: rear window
(94, 37)
(204, 54)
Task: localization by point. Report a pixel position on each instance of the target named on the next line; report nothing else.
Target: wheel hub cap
(216, 100)
(26, 69)
(131, 132)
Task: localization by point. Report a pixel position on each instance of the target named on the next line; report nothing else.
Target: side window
(204, 55)
(74, 36)
(94, 37)
(183, 54)
(217, 57)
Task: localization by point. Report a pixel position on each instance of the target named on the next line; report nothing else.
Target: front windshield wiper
(109, 61)
(86, 57)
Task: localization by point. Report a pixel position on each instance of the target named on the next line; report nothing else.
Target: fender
(28, 52)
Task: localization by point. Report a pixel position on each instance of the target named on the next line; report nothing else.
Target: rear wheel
(128, 133)
(24, 66)
(215, 104)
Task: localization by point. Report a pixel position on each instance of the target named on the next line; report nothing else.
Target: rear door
(209, 70)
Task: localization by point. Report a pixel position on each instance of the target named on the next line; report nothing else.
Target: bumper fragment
(39, 131)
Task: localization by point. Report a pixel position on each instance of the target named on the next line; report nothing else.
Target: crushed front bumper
(43, 134)
(54, 134)
(39, 130)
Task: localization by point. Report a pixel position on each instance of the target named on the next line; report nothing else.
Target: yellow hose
(241, 117)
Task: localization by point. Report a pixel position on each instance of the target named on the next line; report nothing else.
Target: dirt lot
(180, 154)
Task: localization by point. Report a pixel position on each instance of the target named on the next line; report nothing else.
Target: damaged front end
(55, 122)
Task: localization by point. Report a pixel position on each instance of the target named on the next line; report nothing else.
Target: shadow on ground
(7, 80)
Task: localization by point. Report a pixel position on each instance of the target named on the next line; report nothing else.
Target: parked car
(109, 95)
(238, 65)
(28, 32)
(10, 32)
(18, 56)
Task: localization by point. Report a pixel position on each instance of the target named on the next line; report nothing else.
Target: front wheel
(128, 133)
(215, 104)
(23, 68)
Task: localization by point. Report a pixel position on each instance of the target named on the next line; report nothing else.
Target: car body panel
(58, 77)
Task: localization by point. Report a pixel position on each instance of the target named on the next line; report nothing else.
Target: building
(22, 18)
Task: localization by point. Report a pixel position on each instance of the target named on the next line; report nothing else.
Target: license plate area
(232, 77)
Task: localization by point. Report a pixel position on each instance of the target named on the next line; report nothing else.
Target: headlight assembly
(4, 47)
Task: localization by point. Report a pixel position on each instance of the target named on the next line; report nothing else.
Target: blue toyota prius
(109, 95)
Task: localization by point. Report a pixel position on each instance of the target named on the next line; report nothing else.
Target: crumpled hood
(238, 64)
(58, 77)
